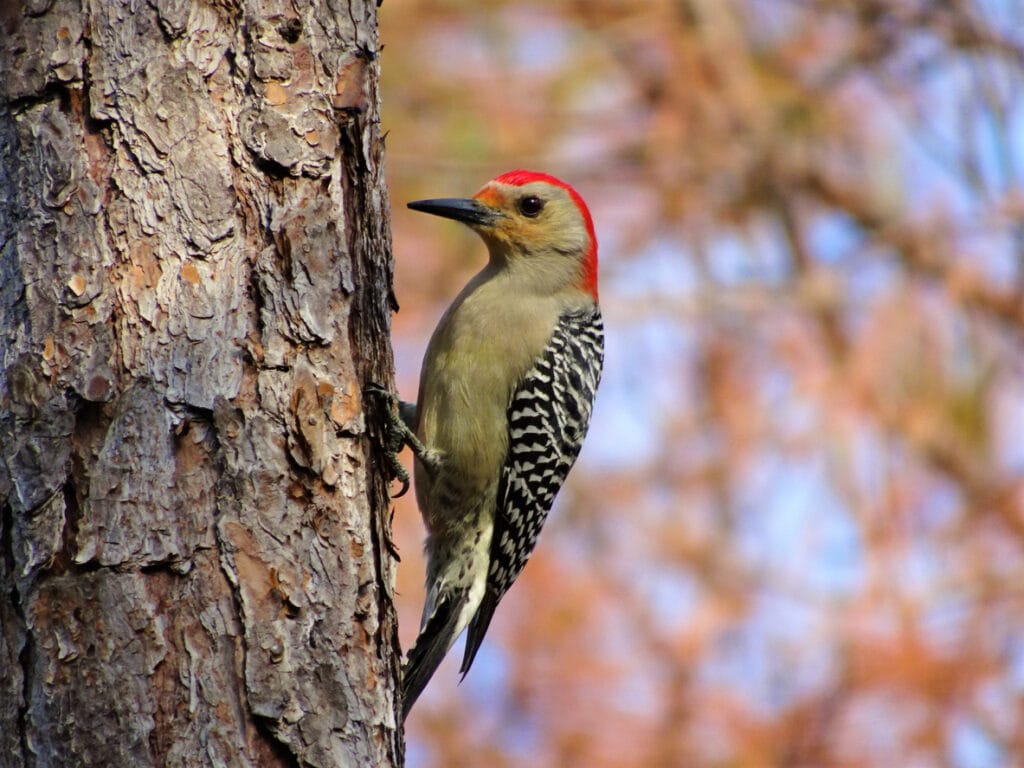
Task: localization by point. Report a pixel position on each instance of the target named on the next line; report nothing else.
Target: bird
(506, 393)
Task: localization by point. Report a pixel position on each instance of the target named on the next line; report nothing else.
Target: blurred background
(795, 535)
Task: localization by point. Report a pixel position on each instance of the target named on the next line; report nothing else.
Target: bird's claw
(396, 436)
(405, 485)
(376, 389)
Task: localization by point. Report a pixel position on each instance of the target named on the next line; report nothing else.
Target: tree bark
(195, 285)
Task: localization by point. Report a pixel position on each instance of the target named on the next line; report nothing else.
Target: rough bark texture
(194, 287)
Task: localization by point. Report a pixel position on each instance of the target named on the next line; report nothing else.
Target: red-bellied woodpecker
(505, 396)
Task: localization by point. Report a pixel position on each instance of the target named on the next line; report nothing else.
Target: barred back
(548, 416)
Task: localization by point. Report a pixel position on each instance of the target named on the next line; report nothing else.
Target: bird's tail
(437, 635)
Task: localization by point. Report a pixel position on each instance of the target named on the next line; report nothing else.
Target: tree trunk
(194, 288)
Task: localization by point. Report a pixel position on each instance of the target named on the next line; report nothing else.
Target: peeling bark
(195, 285)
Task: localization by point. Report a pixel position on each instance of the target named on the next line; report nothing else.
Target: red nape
(520, 177)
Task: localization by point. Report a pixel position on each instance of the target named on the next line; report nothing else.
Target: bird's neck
(539, 272)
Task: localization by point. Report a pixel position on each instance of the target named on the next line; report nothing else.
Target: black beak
(468, 211)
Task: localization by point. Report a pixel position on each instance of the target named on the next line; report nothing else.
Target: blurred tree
(796, 534)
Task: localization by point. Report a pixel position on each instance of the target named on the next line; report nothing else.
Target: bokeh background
(795, 536)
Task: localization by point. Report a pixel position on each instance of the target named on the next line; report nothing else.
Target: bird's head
(528, 216)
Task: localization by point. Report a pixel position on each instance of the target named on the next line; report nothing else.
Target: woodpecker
(506, 391)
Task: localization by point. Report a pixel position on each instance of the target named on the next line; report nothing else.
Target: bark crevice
(189, 517)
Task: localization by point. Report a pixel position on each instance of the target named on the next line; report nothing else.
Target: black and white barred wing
(548, 416)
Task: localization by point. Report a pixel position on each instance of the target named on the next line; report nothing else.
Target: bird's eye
(531, 206)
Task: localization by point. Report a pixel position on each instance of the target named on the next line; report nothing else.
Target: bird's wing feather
(548, 416)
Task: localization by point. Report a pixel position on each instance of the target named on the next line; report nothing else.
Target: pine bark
(195, 285)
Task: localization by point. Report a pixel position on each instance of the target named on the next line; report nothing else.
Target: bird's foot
(396, 434)
(400, 416)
